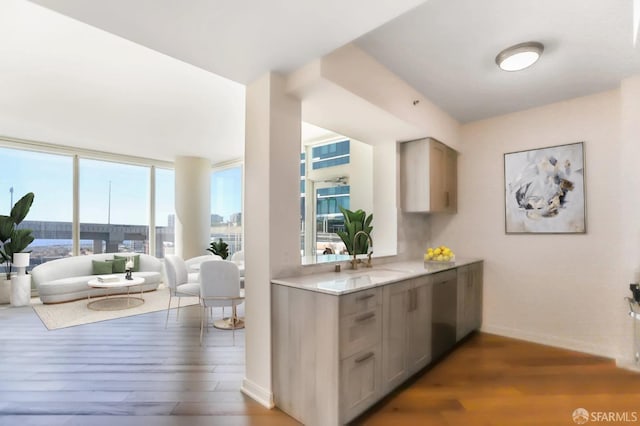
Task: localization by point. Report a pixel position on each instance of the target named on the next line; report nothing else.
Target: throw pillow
(119, 265)
(102, 267)
(136, 261)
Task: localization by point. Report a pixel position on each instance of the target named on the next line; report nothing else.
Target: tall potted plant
(355, 222)
(13, 240)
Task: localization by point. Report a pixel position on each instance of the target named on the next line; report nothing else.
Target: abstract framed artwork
(545, 190)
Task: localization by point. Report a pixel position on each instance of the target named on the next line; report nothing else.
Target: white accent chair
(238, 256)
(178, 283)
(219, 287)
(193, 264)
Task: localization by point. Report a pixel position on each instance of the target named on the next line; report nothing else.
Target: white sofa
(66, 279)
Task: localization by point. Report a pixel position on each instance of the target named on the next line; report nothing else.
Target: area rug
(67, 314)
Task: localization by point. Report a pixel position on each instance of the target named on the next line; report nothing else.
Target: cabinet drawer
(359, 331)
(359, 302)
(361, 379)
(442, 277)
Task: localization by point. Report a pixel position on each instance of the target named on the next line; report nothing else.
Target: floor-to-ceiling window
(50, 178)
(226, 206)
(165, 212)
(114, 207)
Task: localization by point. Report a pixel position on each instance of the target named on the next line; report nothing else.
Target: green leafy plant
(353, 223)
(219, 248)
(14, 240)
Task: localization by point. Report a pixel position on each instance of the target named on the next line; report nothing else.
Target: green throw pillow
(102, 267)
(136, 261)
(119, 265)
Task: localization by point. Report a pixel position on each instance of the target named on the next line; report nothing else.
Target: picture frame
(544, 190)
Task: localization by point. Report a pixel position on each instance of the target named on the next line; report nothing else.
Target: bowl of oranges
(441, 254)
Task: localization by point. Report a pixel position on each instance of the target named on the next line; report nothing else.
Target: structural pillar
(627, 222)
(271, 217)
(193, 206)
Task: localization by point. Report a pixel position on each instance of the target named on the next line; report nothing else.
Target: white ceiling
(66, 82)
(446, 49)
(237, 39)
(63, 81)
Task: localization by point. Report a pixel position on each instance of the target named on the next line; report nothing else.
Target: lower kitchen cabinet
(360, 381)
(406, 330)
(469, 299)
(335, 355)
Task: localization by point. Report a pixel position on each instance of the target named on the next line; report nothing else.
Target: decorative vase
(20, 290)
(21, 283)
(5, 290)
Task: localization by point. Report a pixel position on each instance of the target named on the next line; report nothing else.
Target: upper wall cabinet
(428, 176)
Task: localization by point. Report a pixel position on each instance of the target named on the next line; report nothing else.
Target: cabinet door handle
(446, 199)
(364, 357)
(365, 317)
(365, 297)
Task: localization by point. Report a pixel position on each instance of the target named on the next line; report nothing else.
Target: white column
(628, 184)
(271, 217)
(193, 206)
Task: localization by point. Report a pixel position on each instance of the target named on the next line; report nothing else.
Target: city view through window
(226, 207)
(113, 200)
(323, 190)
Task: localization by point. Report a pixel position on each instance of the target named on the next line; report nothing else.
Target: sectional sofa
(67, 279)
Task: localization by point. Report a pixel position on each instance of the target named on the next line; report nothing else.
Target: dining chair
(193, 264)
(238, 256)
(178, 283)
(220, 287)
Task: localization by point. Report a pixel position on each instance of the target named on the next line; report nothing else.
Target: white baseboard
(545, 339)
(258, 393)
(627, 364)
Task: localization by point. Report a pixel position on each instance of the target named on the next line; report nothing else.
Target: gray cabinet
(428, 176)
(406, 330)
(334, 356)
(360, 385)
(327, 361)
(360, 355)
(469, 301)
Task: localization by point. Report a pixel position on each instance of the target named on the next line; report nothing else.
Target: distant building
(216, 219)
(171, 221)
(236, 218)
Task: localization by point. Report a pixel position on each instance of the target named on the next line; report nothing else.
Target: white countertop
(349, 280)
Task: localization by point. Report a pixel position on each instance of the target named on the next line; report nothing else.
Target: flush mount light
(520, 56)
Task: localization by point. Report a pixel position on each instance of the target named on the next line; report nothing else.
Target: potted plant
(355, 222)
(219, 248)
(13, 240)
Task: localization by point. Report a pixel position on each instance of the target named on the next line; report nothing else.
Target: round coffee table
(116, 303)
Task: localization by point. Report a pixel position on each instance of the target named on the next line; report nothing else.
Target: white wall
(563, 290)
(271, 218)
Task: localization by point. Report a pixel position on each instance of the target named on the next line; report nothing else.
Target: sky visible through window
(226, 192)
(50, 178)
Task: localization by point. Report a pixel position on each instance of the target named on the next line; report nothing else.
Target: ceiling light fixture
(520, 56)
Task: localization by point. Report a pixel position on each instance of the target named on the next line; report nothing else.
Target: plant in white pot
(14, 241)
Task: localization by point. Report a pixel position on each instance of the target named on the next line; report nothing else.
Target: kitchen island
(343, 340)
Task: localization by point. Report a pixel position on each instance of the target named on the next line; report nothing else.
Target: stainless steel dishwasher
(444, 313)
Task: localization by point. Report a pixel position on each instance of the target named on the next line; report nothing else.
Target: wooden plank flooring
(132, 371)
(492, 380)
(131, 368)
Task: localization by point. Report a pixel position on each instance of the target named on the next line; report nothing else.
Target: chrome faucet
(354, 261)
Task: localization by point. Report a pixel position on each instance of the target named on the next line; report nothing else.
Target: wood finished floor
(132, 371)
(131, 368)
(493, 380)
